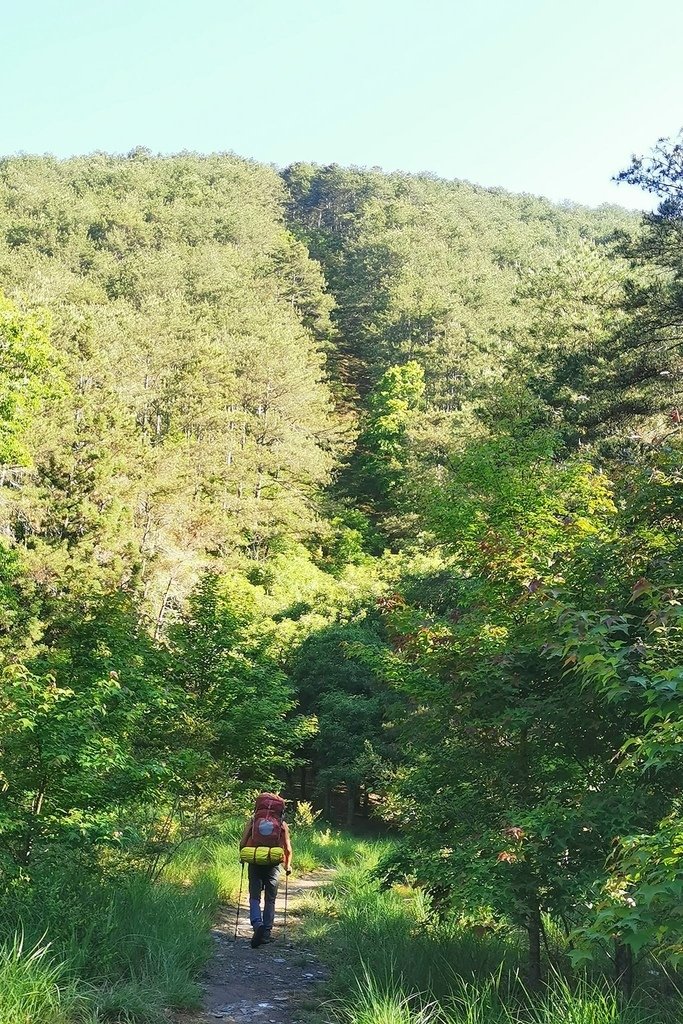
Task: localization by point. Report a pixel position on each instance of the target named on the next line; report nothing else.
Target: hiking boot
(257, 937)
(266, 937)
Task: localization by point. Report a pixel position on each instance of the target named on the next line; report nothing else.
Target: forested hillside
(364, 484)
(433, 270)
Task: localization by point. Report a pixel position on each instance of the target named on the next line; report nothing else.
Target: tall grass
(80, 945)
(36, 990)
(318, 846)
(79, 948)
(483, 1003)
(113, 946)
(129, 947)
(393, 964)
(390, 937)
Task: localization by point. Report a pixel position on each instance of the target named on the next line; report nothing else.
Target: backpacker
(266, 827)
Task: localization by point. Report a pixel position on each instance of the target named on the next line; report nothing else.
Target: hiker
(267, 834)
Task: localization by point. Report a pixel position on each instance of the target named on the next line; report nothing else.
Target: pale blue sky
(545, 97)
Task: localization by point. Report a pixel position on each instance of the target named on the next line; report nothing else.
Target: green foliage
(569, 349)
(470, 616)
(240, 702)
(391, 962)
(424, 269)
(394, 405)
(628, 649)
(655, 303)
(336, 675)
(188, 321)
(539, 547)
(30, 374)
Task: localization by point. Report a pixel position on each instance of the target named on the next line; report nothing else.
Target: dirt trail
(268, 985)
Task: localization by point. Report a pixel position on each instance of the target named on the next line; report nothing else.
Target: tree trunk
(366, 801)
(534, 932)
(623, 969)
(290, 786)
(32, 828)
(350, 804)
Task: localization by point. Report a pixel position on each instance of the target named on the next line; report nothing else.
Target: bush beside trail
(394, 961)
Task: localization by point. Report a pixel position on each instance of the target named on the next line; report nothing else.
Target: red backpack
(266, 826)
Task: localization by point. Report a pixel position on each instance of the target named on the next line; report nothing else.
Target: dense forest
(364, 484)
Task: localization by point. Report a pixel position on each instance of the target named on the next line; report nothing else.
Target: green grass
(319, 846)
(36, 990)
(114, 947)
(77, 946)
(389, 936)
(393, 964)
(484, 1003)
(129, 948)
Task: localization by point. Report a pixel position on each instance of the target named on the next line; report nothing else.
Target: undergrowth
(79, 946)
(393, 963)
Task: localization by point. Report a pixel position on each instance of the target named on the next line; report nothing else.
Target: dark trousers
(263, 876)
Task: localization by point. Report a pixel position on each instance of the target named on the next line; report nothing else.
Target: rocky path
(268, 985)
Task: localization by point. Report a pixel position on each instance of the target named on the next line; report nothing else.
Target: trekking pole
(284, 934)
(239, 903)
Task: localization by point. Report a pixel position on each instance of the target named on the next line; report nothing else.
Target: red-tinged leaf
(640, 587)
(515, 832)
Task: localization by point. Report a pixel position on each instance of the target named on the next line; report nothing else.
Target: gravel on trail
(267, 985)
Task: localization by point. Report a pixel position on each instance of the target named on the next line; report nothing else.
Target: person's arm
(246, 835)
(287, 847)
